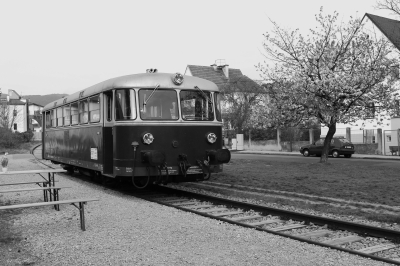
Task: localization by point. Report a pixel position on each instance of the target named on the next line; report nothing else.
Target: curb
(355, 156)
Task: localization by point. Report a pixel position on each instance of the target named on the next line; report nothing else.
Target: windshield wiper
(204, 95)
(148, 98)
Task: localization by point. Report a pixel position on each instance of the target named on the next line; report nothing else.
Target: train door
(108, 154)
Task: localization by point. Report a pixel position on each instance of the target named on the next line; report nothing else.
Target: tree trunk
(249, 138)
(327, 143)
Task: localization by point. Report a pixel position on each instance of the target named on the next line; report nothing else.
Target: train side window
(158, 105)
(125, 104)
(74, 113)
(53, 118)
(59, 117)
(67, 115)
(94, 109)
(108, 105)
(218, 100)
(48, 119)
(83, 111)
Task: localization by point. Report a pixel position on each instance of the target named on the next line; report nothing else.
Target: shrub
(27, 136)
(8, 139)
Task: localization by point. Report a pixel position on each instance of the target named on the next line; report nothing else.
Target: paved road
(283, 153)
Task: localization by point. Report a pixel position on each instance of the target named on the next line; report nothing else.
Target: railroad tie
(238, 219)
(227, 213)
(343, 240)
(316, 233)
(213, 210)
(287, 227)
(377, 248)
(263, 222)
(186, 203)
(175, 201)
(201, 206)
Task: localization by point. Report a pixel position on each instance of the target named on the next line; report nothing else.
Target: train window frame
(217, 104)
(48, 119)
(121, 108)
(83, 111)
(67, 115)
(198, 98)
(74, 113)
(59, 116)
(92, 109)
(108, 105)
(153, 106)
(53, 118)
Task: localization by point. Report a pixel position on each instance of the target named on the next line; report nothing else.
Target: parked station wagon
(339, 146)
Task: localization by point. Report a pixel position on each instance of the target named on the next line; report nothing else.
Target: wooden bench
(43, 182)
(50, 173)
(73, 202)
(46, 190)
(394, 149)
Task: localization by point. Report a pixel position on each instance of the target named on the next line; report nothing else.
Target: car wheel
(347, 155)
(335, 154)
(306, 153)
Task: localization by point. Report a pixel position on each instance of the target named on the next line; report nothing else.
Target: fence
(37, 135)
(291, 139)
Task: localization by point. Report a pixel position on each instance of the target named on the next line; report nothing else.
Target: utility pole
(27, 114)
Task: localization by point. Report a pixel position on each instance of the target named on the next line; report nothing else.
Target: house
(21, 113)
(232, 82)
(222, 75)
(366, 131)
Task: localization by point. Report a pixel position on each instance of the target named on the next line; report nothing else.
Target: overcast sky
(64, 46)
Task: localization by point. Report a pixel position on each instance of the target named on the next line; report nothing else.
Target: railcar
(149, 127)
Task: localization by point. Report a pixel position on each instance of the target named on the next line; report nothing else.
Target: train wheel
(140, 181)
(104, 180)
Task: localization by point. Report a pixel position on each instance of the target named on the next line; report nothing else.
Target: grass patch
(370, 181)
(320, 187)
(21, 148)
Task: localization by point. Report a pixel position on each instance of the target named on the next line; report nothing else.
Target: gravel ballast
(125, 230)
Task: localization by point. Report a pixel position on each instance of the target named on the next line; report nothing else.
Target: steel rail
(361, 229)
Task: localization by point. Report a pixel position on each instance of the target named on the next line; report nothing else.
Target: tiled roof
(389, 27)
(218, 77)
(16, 102)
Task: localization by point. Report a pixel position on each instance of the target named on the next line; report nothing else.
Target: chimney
(220, 64)
(225, 68)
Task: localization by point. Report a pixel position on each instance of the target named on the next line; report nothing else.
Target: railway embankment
(125, 230)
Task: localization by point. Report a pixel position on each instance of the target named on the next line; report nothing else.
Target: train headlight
(148, 138)
(177, 79)
(212, 138)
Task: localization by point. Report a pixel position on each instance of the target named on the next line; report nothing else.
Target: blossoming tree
(332, 75)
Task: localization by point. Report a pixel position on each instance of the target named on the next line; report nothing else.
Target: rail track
(367, 241)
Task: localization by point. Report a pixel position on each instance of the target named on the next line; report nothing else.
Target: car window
(344, 140)
(320, 142)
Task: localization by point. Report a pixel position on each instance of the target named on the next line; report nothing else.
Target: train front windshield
(158, 105)
(196, 105)
(163, 105)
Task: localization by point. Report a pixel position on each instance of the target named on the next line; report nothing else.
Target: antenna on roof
(220, 62)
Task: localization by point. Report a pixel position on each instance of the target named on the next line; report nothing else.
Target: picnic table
(50, 174)
(78, 203)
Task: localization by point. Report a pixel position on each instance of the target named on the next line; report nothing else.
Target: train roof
(144, 80)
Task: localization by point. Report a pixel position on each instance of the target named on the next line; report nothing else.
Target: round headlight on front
(212, 138)
(148, 138)
(177, 79)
